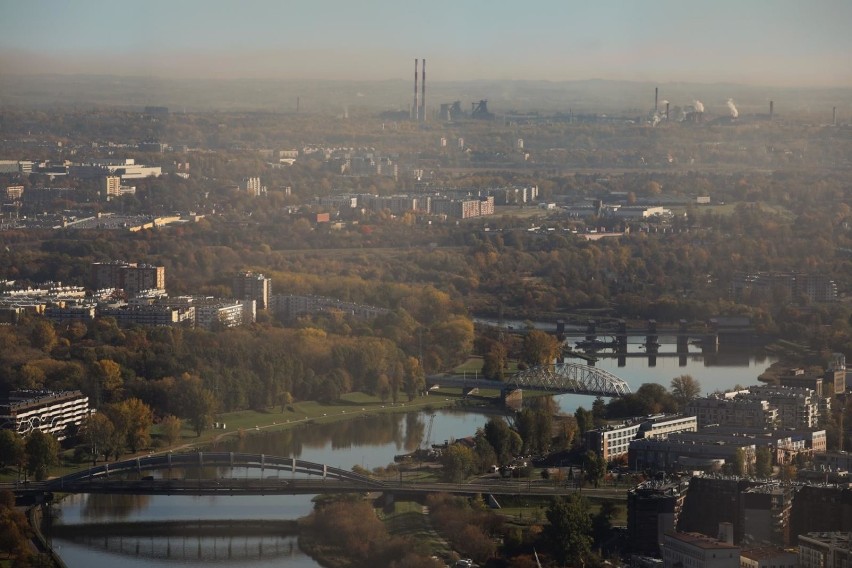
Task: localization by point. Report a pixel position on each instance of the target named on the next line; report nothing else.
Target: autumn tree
(11, 449)
(685, 388)
(98, 434)
(195, 402)
(763, 462)
(594, 466)
(170, 427)
(459, 461)
(539, 348)
(42, 451)
(132, 419)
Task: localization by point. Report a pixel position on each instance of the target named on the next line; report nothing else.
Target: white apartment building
(694, 550)
(49, 411)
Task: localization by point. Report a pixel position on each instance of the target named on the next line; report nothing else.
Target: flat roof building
(49, 411)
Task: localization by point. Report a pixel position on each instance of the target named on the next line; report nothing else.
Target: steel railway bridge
(561, 378)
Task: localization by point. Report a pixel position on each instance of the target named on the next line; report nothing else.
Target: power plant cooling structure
(423, 92)
(415, 110)
(418, 111)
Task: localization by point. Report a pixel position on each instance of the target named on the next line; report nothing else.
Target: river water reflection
(370, 441)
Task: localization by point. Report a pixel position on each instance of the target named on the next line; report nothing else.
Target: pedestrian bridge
(561, 378)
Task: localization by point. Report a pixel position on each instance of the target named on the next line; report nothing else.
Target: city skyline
(783, 43)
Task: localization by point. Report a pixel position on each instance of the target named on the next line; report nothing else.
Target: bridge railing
(212, 459)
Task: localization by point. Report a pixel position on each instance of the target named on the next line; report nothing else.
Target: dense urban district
(162, 270)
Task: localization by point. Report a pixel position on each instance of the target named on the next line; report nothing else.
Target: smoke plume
(734, 112)
(699, 106)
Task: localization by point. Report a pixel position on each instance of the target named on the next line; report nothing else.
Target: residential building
(14, 192)
(653, 508)
(825, 550)
(713, 501)
(217, 314)
(731, 411)
(290, 307)
(768, 557)
(766, 513)
(132, 278)
(821, 508)
(613, 441)
(676, 454)
(69, 313)
(694, 550)
(112, 185)
(51, 412)
(148, 315)
(253, 286)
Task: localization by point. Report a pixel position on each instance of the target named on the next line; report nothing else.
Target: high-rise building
(130, 277)
(252, 286)
(112, 185)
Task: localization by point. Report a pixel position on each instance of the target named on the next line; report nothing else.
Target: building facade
(252, 286)
(49, 411)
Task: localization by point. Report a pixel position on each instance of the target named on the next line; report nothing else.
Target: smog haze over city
(772, 44)
(432, 284)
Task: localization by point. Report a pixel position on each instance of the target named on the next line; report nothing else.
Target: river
(370, 442)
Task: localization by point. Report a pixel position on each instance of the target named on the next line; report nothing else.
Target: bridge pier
(682, 342)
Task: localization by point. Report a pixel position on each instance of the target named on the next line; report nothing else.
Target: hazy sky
(779, 42)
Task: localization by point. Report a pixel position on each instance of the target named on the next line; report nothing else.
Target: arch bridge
(560, 378)
(127, 476)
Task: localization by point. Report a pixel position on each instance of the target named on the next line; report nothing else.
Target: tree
(569, 528)
(602, 522)
(99, 435)
(170, 427)
(684, 389)
(42, 451)
(133, 420)
(595, 467)
(108, 375)
(11, 449)
(459, 461)
(763, 462)
(585, 420)
(505, 441)
(539, 348)
(194, 402)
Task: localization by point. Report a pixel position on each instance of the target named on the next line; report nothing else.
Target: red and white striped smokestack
(423, 93)
(416, 110)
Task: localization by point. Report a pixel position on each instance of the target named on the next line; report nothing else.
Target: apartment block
(825, 550)
(51, 412)
(613, 441)
(130, 277)
(253, 286)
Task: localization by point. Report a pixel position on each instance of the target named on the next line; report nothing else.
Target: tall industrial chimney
(834, 116)
(771, 109)
(416, 116)
(667, 111)
(423, 92)
(656, 97)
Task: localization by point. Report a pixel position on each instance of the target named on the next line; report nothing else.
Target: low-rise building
(825, 550)
(694, 550)
(768, 557)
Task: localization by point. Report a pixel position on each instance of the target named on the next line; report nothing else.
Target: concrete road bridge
(561, 378)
